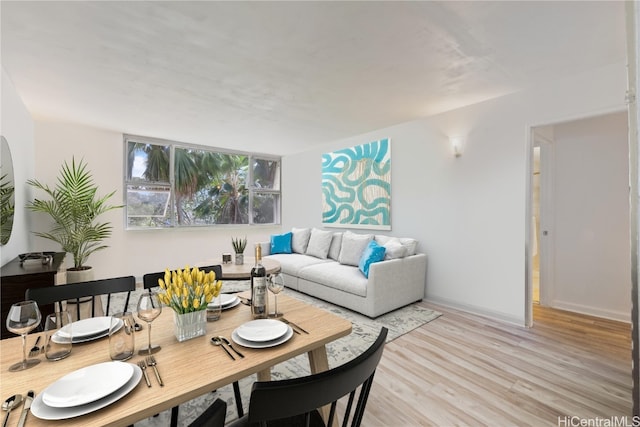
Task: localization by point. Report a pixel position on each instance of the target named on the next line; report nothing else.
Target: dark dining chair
(149, 281)
(58, 294)
(295, 402)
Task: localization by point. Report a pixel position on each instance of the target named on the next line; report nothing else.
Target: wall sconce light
(457, 145)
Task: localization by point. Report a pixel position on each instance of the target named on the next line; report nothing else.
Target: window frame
(253, 191)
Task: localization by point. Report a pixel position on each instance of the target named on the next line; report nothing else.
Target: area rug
(364, 332)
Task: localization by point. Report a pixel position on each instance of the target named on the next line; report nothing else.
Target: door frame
(546, 247)
(532, 137)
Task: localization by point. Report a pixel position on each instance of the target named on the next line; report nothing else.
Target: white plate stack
(262, 333)
(226, 301)
(85, 330)
(86, 390)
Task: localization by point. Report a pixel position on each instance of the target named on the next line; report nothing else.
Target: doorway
(579, 252)
(535, 226)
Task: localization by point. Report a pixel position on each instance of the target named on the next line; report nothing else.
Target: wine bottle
(259, 287)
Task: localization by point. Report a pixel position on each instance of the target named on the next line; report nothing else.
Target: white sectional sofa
(329, 265)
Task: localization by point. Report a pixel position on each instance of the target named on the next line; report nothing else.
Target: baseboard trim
(480, 311)
(618, 316)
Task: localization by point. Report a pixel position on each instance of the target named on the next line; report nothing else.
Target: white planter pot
(76, 276)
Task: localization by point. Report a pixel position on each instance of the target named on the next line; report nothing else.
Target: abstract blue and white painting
(356, 186)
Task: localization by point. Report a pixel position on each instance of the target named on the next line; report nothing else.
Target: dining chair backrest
(295, 402)
(150, 280)
(76, 291)
(304, 395)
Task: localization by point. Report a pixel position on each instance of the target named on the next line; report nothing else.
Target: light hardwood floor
(463, 369)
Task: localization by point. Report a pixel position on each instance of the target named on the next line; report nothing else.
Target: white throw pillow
(410, 244)
(382, 239)
(394, 249)
(353, 245)
(319, 243)
(300, 239)
(336, 244)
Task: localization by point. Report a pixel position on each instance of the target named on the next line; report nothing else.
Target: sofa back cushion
(319, 243)
(394, 249)
(353, 245)
(336, 244)
(300, 239)
(281, 243)
(409, 244)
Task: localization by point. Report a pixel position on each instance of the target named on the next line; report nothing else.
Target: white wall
(592, 266)
(468, 213)
(130, 252)
(17, 127)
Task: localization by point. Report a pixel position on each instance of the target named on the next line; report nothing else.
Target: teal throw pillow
(372, 253)
(281, 243)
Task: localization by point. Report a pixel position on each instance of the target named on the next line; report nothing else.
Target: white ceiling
(280, 77)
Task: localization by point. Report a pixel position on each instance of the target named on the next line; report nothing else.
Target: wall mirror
(7, 192)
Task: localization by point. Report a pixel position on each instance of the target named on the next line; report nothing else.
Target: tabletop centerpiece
(239, 244)
(188, 292)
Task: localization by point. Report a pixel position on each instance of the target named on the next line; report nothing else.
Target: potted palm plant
(74, 207)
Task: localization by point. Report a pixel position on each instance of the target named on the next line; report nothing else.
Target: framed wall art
(356, 186)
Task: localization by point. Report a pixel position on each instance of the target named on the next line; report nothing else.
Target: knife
(25, 408)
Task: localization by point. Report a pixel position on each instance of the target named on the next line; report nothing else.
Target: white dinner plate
(40, 410)
(225, 300)
(87, 327)
(57, 337)
(87, 385)
(265, 344)
(262, 330)
(233, 304)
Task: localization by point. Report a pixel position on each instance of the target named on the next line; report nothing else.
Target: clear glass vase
(190, 325)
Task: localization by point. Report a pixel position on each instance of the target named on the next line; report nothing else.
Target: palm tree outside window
(170, 184)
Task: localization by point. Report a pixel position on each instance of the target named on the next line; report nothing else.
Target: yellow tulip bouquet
(188, 290)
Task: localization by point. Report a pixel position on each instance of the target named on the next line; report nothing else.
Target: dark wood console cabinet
(16, 279)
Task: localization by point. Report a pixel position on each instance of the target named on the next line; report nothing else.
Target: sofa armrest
(397, 281)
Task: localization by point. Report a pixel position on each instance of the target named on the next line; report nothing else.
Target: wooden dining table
(189, 369)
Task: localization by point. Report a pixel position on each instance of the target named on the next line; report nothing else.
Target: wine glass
(275, 284)
(149, 308)
(23, 318)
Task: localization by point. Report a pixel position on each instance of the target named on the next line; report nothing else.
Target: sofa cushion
(300, 239)
(372, 253)
(336, 244)
(382, 239)
(292, 263)
(337, 276)
(353, 246)
(319, 243)
(407, 242)
(281, 243)
(394, 249)
(410, 244)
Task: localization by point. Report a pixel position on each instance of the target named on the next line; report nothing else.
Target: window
(170, 184)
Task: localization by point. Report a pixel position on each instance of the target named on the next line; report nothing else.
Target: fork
(35, 350)
(293, 325)
(151, 361)
(143, 366)
(226, 341)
